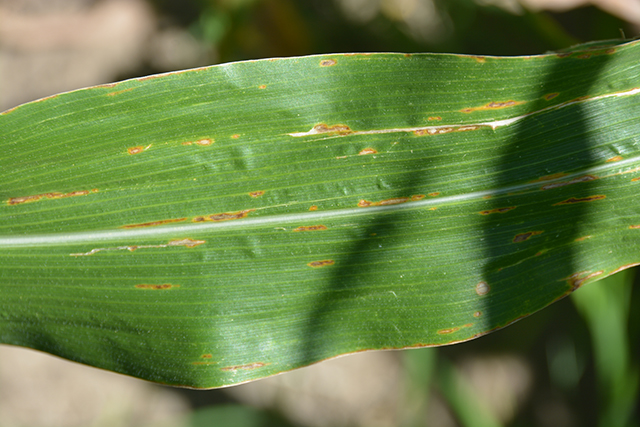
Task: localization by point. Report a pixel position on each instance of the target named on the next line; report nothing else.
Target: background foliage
(574, 363)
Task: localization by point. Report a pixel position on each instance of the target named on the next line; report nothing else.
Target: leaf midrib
(307, 217)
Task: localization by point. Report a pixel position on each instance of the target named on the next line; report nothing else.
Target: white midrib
(277, 221)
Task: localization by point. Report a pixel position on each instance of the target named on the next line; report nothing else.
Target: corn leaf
(213, 226)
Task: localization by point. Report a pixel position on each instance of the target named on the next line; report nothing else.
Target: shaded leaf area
(219, 225)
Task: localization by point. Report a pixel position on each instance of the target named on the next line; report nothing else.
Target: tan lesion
(187, 242)
(53, 195)
(154, 223)
(224, 216)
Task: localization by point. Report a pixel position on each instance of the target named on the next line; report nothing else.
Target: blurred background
(575, 363)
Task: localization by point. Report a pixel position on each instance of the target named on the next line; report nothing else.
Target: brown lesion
(393, 201)
(497, 210)
(624, 267)
(154, 223)
(163, 286)
(585, 178)
(573, 200)
(328, 62)
(54, 195)
(135, 150)
(447, 331)
(246, 367)
(525, 236)
(495, 105)
(550, 177)
(190, 243)
(482, 288)
(225, 216)
(368, 150)
(339, 129)
(322, 263)
(444, 129)
(256, 194)
(204, 142)
(318, 227)
(433, 131)
(10, 110)
(118, 92)
(187, 242)
(577, 279)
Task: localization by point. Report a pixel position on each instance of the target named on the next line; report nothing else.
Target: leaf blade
(218, 225)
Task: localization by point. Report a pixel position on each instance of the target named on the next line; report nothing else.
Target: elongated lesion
(224, 216)
(318, 227)
(154, 223)
(53, 195)
(494, 105)
(321, 263)
(156, 287)
(573, 200)
(189, 243)
(497, 210)
(392, 201)
(245, 367)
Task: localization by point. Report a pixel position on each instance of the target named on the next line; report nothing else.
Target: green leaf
(218, 225)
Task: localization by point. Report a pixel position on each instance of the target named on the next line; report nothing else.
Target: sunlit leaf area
(450, 182)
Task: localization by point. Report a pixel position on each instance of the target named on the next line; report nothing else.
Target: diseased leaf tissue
(247, 219)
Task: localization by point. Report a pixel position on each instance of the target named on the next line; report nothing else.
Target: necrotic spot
(482, 288)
